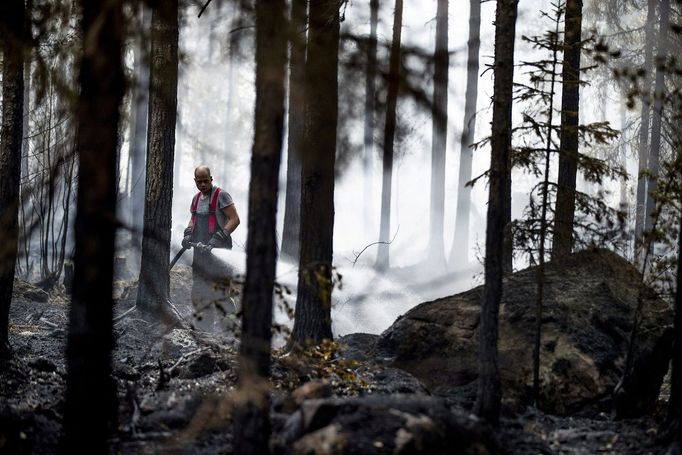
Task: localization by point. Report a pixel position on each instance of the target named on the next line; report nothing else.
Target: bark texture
(568, 134)
(154, 283)
(292, 201)
(313, 303)
(389, 137)
(252, 427)
(439, 114)
(11, 131)
(91, 395)
(460, 245)
(489, 392)
(644, 129)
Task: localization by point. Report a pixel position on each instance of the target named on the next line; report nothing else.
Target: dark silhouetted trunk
(12, 40)
(154, 285)
(389, 137)
(643, 155)
(138, 137)
(460, 244)
(370, 103)
(252, 423)
(292, 202)
(564, 213)
(675, 403)
(439, 114)
(657, 113)
(313, 302)
(540, 272)
(489, 392)
(91, 395)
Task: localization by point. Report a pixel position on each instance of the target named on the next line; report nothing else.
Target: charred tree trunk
(657, 120)
(640, 207)
(460, 244)
(91, 395)
(138, 146)
(568, 134)
(439, 115)
(252, 424)
(292, 201)
(540, 277)
(154, 283)
(12, 40)
(370, 104)
(313, 302)
(675, 403)
(389, 137)
(489, 391)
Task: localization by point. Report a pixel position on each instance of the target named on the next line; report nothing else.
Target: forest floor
(175, 388)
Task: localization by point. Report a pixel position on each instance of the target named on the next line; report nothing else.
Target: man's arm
(232, 218)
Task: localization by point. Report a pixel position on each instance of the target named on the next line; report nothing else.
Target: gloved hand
(187, 237)
(219, 239)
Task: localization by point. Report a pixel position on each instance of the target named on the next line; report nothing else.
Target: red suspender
(211, 218)
(195, 203)
(211, 211)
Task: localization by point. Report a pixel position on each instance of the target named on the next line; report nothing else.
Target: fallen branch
(357, 255)
(124, 314)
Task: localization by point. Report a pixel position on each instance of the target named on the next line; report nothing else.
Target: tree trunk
(675, 403)
(439, 113)
(460, 244)
(657, 120)
(154, 283)
(292, 201)
(370, 104)
(640, 208)
(540, 276)
(252, 424)
(489, 392)
(233, 62)
(138, 146)
(389, 137)
(91, 394)
(564, 213)
(313, 302)
(12, 38)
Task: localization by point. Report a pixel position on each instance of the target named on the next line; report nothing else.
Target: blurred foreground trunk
(91, 395)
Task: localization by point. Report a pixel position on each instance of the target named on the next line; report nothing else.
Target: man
(213, 219)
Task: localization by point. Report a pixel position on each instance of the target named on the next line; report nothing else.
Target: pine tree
(489, 394)
(12, 38)
(292, 201)
(460, 244)
(154, 282)
(91, 395)
(252, 423)
(439, 113)
(389, 138)
(569, 133)
(313, 302)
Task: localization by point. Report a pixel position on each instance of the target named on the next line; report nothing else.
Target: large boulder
(589, 301)
(398, 424)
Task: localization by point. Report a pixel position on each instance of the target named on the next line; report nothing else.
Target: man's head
(203, 179)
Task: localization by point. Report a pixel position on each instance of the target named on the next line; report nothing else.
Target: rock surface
(397, 424)
(589, 300)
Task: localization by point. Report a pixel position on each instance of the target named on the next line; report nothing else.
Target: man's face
(203, 181)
